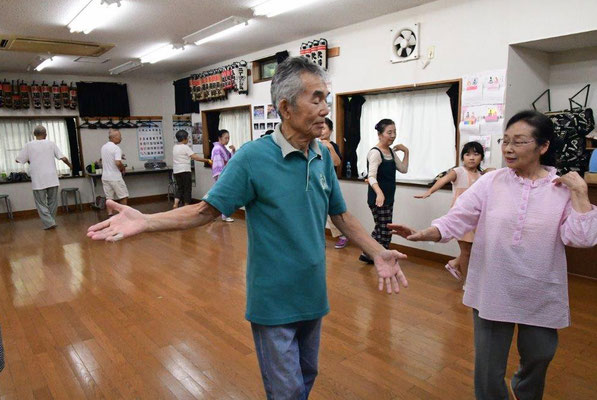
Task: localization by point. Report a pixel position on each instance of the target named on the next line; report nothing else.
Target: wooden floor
(162, 316)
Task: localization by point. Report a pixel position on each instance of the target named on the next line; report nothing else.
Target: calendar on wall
(150, 142)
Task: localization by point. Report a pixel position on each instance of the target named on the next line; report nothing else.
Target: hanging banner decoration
(215, 84)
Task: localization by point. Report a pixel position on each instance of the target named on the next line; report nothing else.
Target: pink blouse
(517, 269)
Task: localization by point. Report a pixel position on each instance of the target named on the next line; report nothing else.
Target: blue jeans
(287, 357)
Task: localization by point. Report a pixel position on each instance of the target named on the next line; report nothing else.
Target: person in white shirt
(112, 169)
(40, 154)
(182, 156)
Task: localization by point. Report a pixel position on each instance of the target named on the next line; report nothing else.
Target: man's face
(307, 116)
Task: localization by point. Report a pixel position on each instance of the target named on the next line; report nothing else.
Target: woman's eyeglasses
(515, 143)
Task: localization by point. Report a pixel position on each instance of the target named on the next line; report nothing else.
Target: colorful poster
(472, 90)
(258, 113)
(494, 86)
(197, 133)
(271, 112)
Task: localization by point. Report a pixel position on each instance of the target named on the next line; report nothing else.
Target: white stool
(64, 196)
(8, 207)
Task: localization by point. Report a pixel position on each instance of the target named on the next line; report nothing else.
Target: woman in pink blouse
(220, 156)
(524, 215)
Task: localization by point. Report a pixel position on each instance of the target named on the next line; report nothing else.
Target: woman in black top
(382, 163)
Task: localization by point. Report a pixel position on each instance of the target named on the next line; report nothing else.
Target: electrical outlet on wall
(430, 52)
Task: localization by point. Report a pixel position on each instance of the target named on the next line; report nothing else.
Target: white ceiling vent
(60, 47)
(91, 60)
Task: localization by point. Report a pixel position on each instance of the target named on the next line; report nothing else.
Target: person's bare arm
(443, 181)
(333, 154)
(67, 162)
(129, 222)
(120, 166)
(198, 158)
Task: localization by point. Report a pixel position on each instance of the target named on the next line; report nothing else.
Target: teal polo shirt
(287, 198)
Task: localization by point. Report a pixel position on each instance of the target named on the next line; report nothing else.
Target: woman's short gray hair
(287, 82)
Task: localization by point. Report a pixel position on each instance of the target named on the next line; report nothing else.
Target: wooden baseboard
(25, 214)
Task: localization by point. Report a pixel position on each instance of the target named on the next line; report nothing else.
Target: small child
(462, 178)
(181, 168)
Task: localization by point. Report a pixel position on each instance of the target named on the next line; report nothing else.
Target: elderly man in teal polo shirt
(287, 184)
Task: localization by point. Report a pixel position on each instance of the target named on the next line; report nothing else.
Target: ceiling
(142, 25)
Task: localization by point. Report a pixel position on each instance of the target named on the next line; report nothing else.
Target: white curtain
(15, 133)
(424, 124)
(238, 123)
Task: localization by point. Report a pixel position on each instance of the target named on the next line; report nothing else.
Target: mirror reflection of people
(524, 216)
(41, 154)
(220, 155)
(182, 155)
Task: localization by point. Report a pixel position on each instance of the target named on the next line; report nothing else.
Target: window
(268, 68)
(264, 69)
(424, 124)
(15, 133)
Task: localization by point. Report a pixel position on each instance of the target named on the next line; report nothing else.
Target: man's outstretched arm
(130, 222)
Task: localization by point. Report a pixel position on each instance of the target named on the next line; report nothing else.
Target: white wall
(569, 72)
(149, 96)
(469, 36)
(528, 76)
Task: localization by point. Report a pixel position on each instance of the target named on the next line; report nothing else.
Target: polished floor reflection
(162, 316)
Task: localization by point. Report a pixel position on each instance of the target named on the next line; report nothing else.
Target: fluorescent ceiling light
(271, 8)
(162, 53)
(217, 30)
(127, 66)
(92, 15)
(45, 63)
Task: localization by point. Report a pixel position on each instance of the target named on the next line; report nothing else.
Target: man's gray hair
(287, 82)
(39, 130)
(112, 133)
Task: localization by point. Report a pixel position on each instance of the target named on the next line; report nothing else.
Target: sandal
(455, 273)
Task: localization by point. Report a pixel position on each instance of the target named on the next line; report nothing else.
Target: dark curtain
(352, 132)
(184, 103)
(454, 93)
(73, 142)
(213, 126)
(281, 56)
(103, 99)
